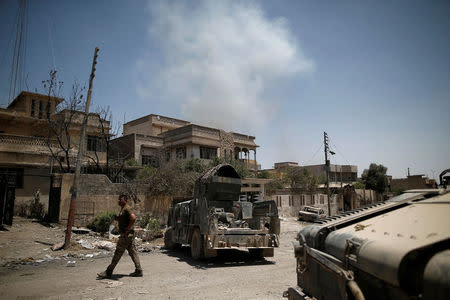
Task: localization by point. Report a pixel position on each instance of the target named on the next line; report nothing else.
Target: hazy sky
(374, 75)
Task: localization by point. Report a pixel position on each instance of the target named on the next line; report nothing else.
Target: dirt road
(167, 275)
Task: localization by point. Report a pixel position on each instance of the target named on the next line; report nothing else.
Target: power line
(17, 66)
(317, 151)
(338, 151)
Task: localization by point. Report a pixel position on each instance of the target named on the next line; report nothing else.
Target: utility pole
(327, 169)
(80, 155)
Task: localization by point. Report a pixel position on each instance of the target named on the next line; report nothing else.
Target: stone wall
(98, 194)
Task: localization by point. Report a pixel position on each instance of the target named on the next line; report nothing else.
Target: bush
(31, 209)
(151, 224)
(146, 173)
(102, 222)
(359, 185)
(131, 162)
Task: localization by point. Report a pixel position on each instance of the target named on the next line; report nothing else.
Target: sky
(374, 75)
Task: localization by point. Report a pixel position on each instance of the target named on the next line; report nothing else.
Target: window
(33, 107)
(167, 155)
(207, 152)
(47, 110)
(312, 200)
(321, 199)
(181, 152)
(150, 160)
(95, 143)
(40, 109)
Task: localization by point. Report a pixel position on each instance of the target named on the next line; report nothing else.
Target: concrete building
(338, 173)
(412, 182)
(153, 138)
(29, 149)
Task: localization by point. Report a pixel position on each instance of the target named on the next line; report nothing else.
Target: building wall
(412, 182)
(98, 194)
(33, 179)
(140, 126)
(289, 204)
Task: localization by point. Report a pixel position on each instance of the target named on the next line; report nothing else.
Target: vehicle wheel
(256, 253)
(168, 239)
(197, 250)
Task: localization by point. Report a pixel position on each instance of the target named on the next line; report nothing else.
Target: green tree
(359, 185)
(301, 179)
(195, 165)
(145, 173)
(274, 185)
(263, 174)
(375, 177)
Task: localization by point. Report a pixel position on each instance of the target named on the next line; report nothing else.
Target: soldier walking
(126, 221)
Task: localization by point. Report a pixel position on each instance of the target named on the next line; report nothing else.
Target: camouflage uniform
(126, 242)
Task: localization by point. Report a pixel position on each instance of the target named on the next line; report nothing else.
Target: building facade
(32, 147)
(338, 174)
(412, 182)
(153, 138)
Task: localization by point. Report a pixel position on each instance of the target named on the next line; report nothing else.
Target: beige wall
(98, 194)
(290, 204)
(33, 180)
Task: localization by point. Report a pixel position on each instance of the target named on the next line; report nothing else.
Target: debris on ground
(81, 230)
(112, 283)
(23, 243)
(107, 245)
(85, 244)
(71, 263)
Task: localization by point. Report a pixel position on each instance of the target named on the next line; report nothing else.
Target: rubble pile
(85, 245)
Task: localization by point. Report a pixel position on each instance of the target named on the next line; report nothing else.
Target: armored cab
(398, 249)
(216, 218)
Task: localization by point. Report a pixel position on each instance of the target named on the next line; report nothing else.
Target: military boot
(105, 274)
(136, 273)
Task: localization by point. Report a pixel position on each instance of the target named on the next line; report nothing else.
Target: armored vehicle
(397, 249)
(216, 218)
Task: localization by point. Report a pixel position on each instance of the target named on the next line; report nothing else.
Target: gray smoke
(218, 58)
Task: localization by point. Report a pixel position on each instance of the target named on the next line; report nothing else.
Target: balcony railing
(26, 140)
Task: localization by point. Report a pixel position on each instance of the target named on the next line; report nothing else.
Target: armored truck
(216, 218)
(397, 249)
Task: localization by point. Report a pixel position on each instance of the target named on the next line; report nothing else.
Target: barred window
(208, 152)
(47, 110)
(95, 143)
(40, 109)
(33, 107)
(181, 152)
(150, 160)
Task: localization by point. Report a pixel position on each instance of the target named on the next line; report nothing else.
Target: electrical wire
(320, 146)
(338, 151)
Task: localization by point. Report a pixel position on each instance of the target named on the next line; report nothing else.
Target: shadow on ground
(224, 259)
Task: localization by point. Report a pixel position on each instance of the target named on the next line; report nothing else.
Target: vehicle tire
(256, 253)
(168, 239)
(197, 250)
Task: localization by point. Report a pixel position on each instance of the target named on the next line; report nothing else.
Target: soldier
(126, 220)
